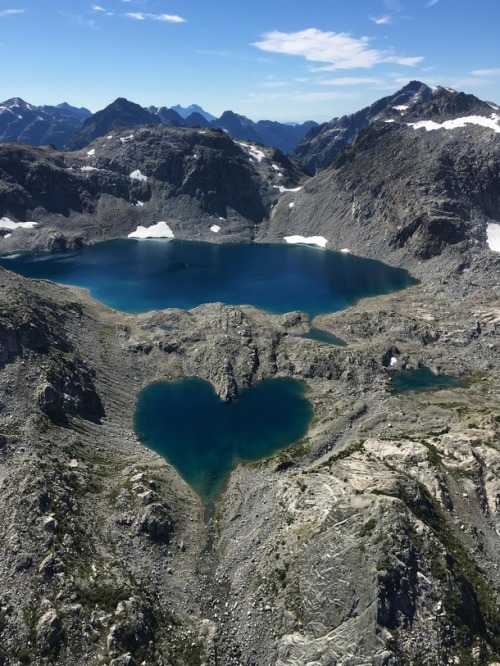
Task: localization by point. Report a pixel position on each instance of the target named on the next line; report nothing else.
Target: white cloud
(339, 50)
(170, 18)
(320, 96)
(11, 12)
(353, 81)
(486, 72)
(167, 18)
(382, 20)
(432, 2)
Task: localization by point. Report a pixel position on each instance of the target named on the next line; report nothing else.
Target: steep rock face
(191, 178)
(321, 144)
(404, 190)
(39, 125)
(117, 115)
(267, 132)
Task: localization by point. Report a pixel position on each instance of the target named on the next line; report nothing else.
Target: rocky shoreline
(375, 540)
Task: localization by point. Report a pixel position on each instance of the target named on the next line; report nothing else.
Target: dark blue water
(421, 379)
(204, 438)
(139, 276)
(320, 335)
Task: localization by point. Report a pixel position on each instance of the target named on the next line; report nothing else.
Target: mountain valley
(372, 541)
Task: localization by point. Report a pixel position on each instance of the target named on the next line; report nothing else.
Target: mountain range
(375, 540)
(70, 128)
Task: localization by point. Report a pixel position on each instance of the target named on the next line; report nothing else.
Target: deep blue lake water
(204, 439)
(137, 276)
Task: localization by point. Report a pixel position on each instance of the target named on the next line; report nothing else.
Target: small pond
(421, 379)
(204, 439)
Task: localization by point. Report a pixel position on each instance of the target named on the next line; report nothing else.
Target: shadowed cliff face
(192, 178)
(403, 193)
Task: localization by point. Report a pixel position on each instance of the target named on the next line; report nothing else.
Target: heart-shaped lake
(204, 438)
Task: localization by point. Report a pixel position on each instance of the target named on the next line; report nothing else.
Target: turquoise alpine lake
(137, 276)
(421, 379)
(204, 438)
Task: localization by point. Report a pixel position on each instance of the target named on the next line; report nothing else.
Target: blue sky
(279, 59)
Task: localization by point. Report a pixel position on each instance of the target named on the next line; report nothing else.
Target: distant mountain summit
(71, 128)
(415, 101)
(322, 143)
(38, 125)
(119, 114)
(186, 111)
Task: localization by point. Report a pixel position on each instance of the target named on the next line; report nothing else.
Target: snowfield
(320, 241)
(493, 236)
(5, 223)
(158, 230)
(493, 122)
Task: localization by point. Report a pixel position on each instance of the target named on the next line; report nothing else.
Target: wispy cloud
(486, 72)
(100, 10)
(382, 20)
(305, 97)
(353, 81)
(167, 18)
(338, 50)
(430, 3)
(11, 12)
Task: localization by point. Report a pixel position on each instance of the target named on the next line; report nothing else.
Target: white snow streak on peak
(5, 223)
(215, 228)
(287, 189)
(320, 241)
(401, 107)
(158, 230)
(491, 123)
(91, 153)
(252, 150)
(137, 175)
(493, 236)
(126, 139)
(89, 168)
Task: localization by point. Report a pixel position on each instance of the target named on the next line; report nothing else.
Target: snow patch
(5, 223)
(139, 203)
(493, 236)
(158, 230)
(126, 139)
(491, 123)
(401, 107)
(91, 153)
(345, 250)
(88, 168)
(215, 228)
(393, 361)
(287, 189)
(252, 150)
(137, 175)
(310, 240)
(291, 204)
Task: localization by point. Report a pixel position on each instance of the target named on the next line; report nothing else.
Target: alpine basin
(137, 276)
(204, 439)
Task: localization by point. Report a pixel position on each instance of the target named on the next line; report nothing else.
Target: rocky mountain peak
(119, 114)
